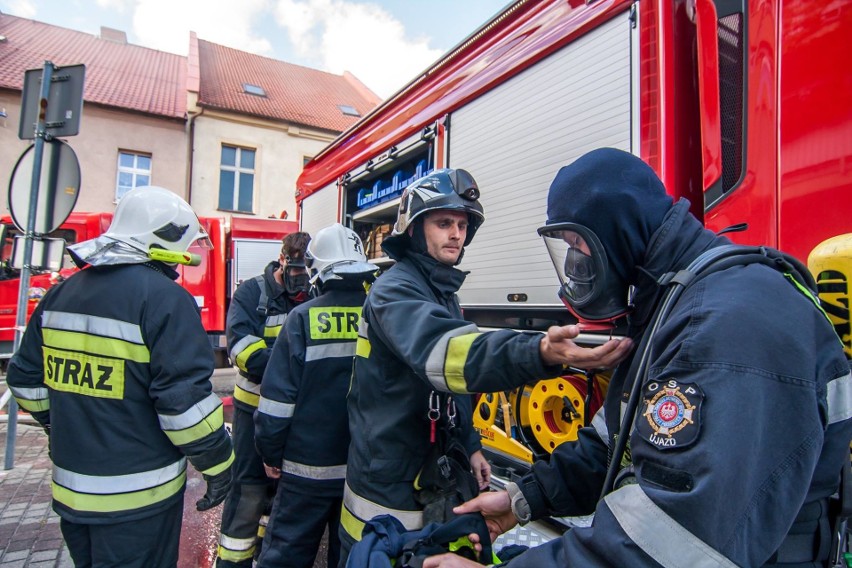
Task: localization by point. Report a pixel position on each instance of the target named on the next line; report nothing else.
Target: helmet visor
(576, 260)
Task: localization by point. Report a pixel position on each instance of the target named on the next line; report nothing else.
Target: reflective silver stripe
(659, 535)
(38, 393)
(329, 350)
(275, 408)
(242, 344)
(247, 385)
(365, 510)
(110, 484)
(93, 325)
(362, 328)
(438, 356)
(273, 321)
(840, 399)
(195, 414)
(314, 471)
(599, 424)
(240, 544)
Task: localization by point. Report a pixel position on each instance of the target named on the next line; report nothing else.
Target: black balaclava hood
(620, 199)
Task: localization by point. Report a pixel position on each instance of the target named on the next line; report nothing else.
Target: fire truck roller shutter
(320, 209)
(514, 138)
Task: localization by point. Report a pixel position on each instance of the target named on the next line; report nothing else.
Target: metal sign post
(66, 91)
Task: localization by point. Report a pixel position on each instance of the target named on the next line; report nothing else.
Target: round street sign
(58, 188)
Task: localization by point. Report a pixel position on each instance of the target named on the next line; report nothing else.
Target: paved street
(29, 529)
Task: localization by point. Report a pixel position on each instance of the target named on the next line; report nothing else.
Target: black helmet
(441, 189)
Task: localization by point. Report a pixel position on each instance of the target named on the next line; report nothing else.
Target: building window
(134, 170)
(253, 90)
(349, 110)
(236, 179)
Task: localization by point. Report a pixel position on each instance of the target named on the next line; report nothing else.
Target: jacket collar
(445, 280)
(680, 239)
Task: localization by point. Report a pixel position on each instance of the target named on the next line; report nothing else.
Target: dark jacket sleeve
(279, 391)
(25, 375)
(181, 366)
(245, 325)
(449, 352)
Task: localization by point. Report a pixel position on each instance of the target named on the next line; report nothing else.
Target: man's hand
(272, 472)
(557, 348)
(495, 507)
(481, 469)
(217, 489)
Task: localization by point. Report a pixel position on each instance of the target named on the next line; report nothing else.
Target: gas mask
(589, 288)
(296, 279)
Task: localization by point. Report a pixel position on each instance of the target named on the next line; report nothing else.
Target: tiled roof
(117, 74)
(293, 93)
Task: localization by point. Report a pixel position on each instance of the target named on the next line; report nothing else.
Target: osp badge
(671, 414)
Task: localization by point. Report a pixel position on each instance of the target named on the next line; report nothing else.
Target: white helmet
(153, 217)
(334, 252)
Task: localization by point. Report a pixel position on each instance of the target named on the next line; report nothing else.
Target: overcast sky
(385, 43)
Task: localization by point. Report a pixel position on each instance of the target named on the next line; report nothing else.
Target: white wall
(280, 152)
(103, 132)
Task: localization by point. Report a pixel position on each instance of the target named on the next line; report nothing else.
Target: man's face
(445, 231)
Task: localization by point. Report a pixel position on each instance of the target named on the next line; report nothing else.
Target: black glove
(217, 489)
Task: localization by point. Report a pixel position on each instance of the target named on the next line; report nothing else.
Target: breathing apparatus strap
(263, 301)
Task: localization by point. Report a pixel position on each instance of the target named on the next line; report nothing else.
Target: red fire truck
(741, 106)
(242, 247)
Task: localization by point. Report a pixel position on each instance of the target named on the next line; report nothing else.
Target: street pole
(21, 316)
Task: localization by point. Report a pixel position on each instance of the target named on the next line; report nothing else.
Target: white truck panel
(514, 139)
(319, 209)
(250, 258)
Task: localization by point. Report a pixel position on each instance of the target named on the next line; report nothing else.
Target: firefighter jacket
(413, 341)
(257, 312)
(743, 423)
(117, 360)
(301, 424)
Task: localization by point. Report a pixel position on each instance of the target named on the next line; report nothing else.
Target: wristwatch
(519, 504)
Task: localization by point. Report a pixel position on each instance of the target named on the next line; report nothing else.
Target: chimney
(111, 34)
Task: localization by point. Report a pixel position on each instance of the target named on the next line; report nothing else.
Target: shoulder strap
(263, 301)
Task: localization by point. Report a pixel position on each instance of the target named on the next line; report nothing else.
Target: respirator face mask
(588, 287)
(296, 278)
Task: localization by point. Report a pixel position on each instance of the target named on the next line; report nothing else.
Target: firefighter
(301, 426)
(257, 313)
(116, 366)
(743, 404)
(414, 346)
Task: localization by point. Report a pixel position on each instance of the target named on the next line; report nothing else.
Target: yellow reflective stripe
(245, 396)
(217, 469)
(31, 399)
(243, 357)
(209, 424)
(236, 555)
(444, 364)
(96, 345)
(457, 351)
(272, 331)
(365, 509)
(33, 405)
(119, 501)
(353, 526)
(363, 347)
